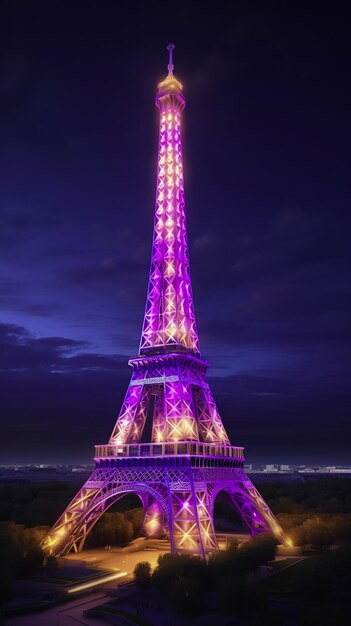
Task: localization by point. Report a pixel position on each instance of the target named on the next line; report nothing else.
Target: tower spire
(170, 66)
(169, 322)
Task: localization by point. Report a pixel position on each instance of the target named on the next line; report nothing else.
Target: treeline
(316, 513)
(34, 504)
(188, 583)
(327, 495)
(225, 584)
(20, 554)
(116, 528)
(39, 504)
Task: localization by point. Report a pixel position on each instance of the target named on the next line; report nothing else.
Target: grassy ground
(288, 579)
(109, 610)
(278, 566)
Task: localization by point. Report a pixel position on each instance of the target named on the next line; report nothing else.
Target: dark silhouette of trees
(186, 579)
(116, 528)
(20, 554)
(142, 575)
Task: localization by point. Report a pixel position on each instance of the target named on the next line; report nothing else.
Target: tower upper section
(169, 322)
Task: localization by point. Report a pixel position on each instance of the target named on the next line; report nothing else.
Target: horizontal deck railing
(180, 448)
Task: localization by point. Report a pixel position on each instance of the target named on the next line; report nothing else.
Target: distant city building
(271, 468)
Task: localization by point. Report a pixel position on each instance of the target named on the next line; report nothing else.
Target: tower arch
(72, 528)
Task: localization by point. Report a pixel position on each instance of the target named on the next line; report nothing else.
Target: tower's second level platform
(172, 453)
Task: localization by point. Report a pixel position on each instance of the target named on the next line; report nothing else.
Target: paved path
(124, 559)
(71, 613)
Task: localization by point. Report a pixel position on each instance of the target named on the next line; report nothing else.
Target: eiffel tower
(189, 460)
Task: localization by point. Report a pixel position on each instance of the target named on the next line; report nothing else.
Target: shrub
(142, 575)
(172, 566)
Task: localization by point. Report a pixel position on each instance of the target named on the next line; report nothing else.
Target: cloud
(56, 398)
(21, 351)
(106, 270)
(56, 386)
(202, 242)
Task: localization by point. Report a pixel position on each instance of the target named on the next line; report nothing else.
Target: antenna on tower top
(170, 66)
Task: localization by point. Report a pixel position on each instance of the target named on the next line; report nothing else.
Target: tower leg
(254, 511)
(192, 520)
(154, 520)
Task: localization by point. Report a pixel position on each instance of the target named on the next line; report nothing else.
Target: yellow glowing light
(169, 117)
(289, 542)
(171, 82)
(50, 541)
(152, 523)
(170, 269)
(59, 533)
(95, 583)
(171, 330)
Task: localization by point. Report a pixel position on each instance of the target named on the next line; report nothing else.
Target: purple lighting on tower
(190, 460)
(169, 316)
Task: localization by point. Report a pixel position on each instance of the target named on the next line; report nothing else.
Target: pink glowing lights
(169, 316)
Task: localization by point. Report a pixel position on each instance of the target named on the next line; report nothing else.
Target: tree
(316, 533)
(172, 566)
(142, 575)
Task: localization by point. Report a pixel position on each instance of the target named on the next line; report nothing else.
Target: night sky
(267, 164)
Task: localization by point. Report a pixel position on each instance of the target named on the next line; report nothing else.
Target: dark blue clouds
(266, 145)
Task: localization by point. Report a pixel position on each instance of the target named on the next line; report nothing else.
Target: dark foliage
(185, 579)
(20, 554)
(313, 513)
(116, 528)
(142, 575)
(173, 566)
(237, 562)
(327, 495)
(34, 504)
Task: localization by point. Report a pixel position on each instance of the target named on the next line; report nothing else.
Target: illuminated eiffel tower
(189, 460)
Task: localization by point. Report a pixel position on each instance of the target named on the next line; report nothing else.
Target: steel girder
(180, 500)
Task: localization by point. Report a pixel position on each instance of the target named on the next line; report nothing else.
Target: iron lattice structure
(190, 460)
